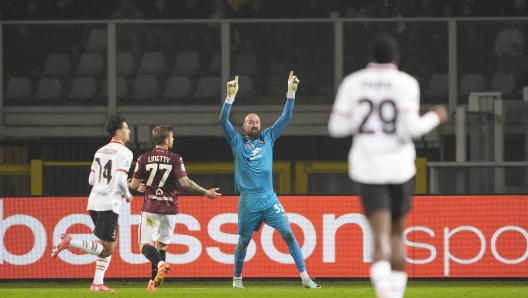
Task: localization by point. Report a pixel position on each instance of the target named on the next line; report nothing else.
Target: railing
(134, 64)
(310, 177)
(478, 177)
(51, 178)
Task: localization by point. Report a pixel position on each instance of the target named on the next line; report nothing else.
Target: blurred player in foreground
(160, 170)
(258, 202)
(379, 106)
(109, 179)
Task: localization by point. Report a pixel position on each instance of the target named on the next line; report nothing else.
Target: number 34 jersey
(370, 103)
(108, 161)
(160, 170)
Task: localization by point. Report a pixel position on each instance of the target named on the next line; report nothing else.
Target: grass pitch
(259, 288)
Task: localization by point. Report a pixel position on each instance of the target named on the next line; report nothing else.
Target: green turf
(256, 289)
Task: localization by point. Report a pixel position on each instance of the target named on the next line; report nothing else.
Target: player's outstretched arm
(280, 124)
(417, 126)
(227, 127)
(193, 187)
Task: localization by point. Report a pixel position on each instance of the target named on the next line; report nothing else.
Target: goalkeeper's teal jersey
(254, 158)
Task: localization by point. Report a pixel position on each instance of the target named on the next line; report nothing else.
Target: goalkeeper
(258, 203)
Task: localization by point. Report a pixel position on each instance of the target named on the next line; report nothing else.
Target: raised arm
(227, 127)
(286, 115)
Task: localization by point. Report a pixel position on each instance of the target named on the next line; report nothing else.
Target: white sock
(91, 247)
(399, 283)
(100, 268)
(304, 274)
(234, 277)
(380, 276)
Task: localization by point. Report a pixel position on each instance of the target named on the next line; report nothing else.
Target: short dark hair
(384, 49)
(114, 124)
(160, 133)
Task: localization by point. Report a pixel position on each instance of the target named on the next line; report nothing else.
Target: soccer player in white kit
(379, 106)
(108, 175)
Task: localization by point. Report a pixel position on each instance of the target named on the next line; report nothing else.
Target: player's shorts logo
(114, 234)
(285, 216)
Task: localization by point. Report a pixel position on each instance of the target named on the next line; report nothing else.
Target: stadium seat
(247, 63)
(246, 86)
(18, 89)
(187, 63)
(471, 83)
(49, 89)
(438, 86)
(177, 87)
(121, 86)
(208, 87)
(125, 64)
(216, 64)
(145, 88)
(57, 64)
(152, 63)
(83, 88)
(503, 82)
(91, 64)
(97, 42)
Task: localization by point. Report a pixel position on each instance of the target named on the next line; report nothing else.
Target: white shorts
(156, 227)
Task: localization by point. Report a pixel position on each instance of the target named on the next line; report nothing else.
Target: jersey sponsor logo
(255, 154)
(159, 196)
(99, 193)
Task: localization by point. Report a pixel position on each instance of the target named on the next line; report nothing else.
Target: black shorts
(393, 197)
(106, 224)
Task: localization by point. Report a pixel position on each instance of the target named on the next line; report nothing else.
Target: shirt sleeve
(124, 162)
(227, 127)
(279, 125)
(409, 113)
(340, 123)
(139, 170)
(179, 168)
(122, 183)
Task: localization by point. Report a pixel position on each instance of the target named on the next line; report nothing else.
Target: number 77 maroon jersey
(160, 170)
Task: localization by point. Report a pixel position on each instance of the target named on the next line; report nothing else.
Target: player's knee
(243, 242)
(288, 237)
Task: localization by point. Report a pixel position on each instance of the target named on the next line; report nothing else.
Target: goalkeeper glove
(293, 83)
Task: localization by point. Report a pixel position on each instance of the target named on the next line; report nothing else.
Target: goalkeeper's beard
(253, 134)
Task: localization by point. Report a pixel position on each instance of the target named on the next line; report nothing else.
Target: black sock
(163, 255)
(154, 271)
(151, 253)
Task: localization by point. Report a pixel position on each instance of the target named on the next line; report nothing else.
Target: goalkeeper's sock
(380, 276)
(399, 283)
(240, 256)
